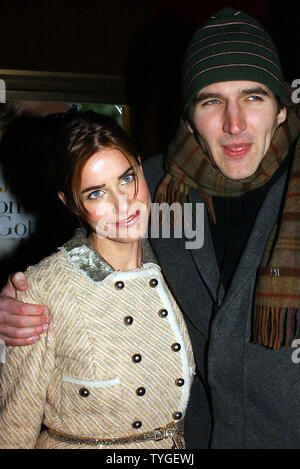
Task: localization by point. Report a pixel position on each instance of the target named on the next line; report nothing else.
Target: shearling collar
(82, 255)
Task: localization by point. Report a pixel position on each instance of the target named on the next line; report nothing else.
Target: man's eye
(96, 194)
(254, 97)
(211, 101)
(129, 178)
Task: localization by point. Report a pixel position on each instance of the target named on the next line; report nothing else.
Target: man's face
(235, 122)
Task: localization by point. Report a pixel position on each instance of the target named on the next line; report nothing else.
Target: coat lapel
(192, 274)
(205, 259)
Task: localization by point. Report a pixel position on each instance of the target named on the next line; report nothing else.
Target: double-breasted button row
(84, 392)
(137, 358)
(128, 320)
(119, 285)
(138, 424)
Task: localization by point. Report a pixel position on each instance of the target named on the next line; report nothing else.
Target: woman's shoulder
(75, 261)
(47, 268)
(45, 278)
(57, 264)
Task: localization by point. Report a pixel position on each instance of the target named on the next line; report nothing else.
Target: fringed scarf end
(275, 327)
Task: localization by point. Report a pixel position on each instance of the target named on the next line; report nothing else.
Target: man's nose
(234, 120)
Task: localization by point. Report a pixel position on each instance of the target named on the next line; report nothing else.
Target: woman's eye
(95, 195)
(129, 178)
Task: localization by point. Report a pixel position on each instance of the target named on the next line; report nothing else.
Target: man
(236, 151)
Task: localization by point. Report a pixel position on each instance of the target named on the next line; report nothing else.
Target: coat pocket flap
(77, 369)
(96, 383)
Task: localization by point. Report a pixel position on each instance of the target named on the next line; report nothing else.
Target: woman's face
(115, 195)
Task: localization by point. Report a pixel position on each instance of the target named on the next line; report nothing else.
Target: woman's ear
(61, 195)
(140, 164)
(189, 126)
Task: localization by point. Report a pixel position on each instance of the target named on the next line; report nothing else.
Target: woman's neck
(121, 256)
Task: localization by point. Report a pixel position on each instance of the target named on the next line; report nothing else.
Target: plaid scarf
(277, 296)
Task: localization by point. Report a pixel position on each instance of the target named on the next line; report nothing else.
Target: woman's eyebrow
(93, 188)
(126, 172)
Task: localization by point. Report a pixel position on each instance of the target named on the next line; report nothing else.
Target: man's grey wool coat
(244, 395)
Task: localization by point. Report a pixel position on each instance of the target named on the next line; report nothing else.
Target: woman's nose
(121, 202)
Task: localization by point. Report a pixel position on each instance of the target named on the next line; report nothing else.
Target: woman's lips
(237, 150)
(129, 221)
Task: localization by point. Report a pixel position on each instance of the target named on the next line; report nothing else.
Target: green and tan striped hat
(231, 45)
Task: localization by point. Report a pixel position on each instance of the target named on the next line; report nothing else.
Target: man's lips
(237, 150)
(130, 220)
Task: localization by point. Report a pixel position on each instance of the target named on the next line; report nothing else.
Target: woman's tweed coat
(89, 345)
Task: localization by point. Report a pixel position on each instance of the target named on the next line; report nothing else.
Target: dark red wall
(83, 36)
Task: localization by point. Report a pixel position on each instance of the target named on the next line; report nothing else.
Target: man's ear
(61, 195)
(281, 116)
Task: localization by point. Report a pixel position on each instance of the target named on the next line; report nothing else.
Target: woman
(115, 369)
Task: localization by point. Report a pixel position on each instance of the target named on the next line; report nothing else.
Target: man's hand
(20, 323)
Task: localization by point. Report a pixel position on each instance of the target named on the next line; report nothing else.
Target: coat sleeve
(24, 380)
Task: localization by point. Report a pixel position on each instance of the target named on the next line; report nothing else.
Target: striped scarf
(277, 295)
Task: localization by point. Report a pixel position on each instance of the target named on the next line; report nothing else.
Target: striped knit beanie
(231, 46)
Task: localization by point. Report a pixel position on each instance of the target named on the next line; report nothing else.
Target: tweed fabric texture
(231, 45)
(277, 294)
(90, 346)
